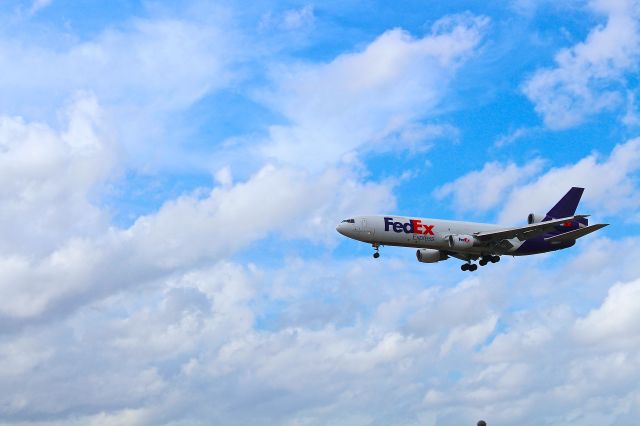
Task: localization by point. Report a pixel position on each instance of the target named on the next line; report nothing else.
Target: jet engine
(461, 241)
(534, 218)
(430, 256)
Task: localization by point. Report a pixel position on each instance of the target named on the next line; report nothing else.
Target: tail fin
(567, 205)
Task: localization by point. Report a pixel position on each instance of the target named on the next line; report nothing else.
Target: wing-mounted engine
(430, 256)
(534, 218)
(462, 241)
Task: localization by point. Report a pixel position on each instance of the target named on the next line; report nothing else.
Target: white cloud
(610, 184)
(418, 137)
(197, 337)
(484, 189)
(632, 115)
(161, 63)
(154, 324)
(141, 72)
(550, 361)
(58, 249)
(38, 5)
(208, 224)
(616, 319)
(49, 175)
(587, 77)
(515, 135)
(391, 349)
(298, 18)
(293, 19)
(358, 99)
(469, 336)
(224, 177)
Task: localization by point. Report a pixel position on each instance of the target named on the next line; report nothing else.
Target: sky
(171, 174)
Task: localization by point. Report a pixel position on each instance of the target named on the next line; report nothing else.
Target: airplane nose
(340, 228)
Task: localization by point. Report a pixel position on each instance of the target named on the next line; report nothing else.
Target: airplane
(437, 240)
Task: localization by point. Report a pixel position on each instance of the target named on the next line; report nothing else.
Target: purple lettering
(388, 221)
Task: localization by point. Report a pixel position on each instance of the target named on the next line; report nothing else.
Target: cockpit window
(349, 221)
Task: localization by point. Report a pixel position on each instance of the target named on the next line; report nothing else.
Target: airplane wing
(525, 232)
(576, 233)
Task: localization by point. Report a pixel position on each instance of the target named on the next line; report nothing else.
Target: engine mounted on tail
(534, 218)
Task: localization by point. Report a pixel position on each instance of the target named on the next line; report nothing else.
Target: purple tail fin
(567, 205)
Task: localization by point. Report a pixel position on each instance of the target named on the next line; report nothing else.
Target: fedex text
(412, 227)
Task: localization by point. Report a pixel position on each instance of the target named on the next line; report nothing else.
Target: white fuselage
(416, 232)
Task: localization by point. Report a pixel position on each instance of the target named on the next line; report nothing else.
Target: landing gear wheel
(473, 267)
(465, 267)
(376, 255)
(495, 259)
(482, 262)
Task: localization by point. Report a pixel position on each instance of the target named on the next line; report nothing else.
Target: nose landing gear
(376, 247)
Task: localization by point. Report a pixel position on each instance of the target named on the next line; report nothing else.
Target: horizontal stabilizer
(575, 234)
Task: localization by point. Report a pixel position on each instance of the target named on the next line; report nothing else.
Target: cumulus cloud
(196, 335)
(610, 184)
(496, 178)
(616, 319)
(83, 257)
(143, 72)
(48, 176)
(358, 99)
(166, 321)
(548, 357)
(228, 334)
(589, 77)
(159, 62)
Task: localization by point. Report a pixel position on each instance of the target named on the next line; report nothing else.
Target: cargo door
(366, 228)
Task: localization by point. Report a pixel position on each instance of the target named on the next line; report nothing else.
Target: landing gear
(487, 259)
(469, 267)
(376, 247)
(376, 255)
(482, 262)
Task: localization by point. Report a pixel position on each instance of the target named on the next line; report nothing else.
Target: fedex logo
(411, 227)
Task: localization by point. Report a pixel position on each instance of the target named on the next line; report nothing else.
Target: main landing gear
(469, 267)
(376, 247)
(483, 261)
(487, 259)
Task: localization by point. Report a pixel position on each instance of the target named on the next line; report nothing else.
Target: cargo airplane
(438, 240)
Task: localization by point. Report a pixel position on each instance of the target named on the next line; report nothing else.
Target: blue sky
(173, 173)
